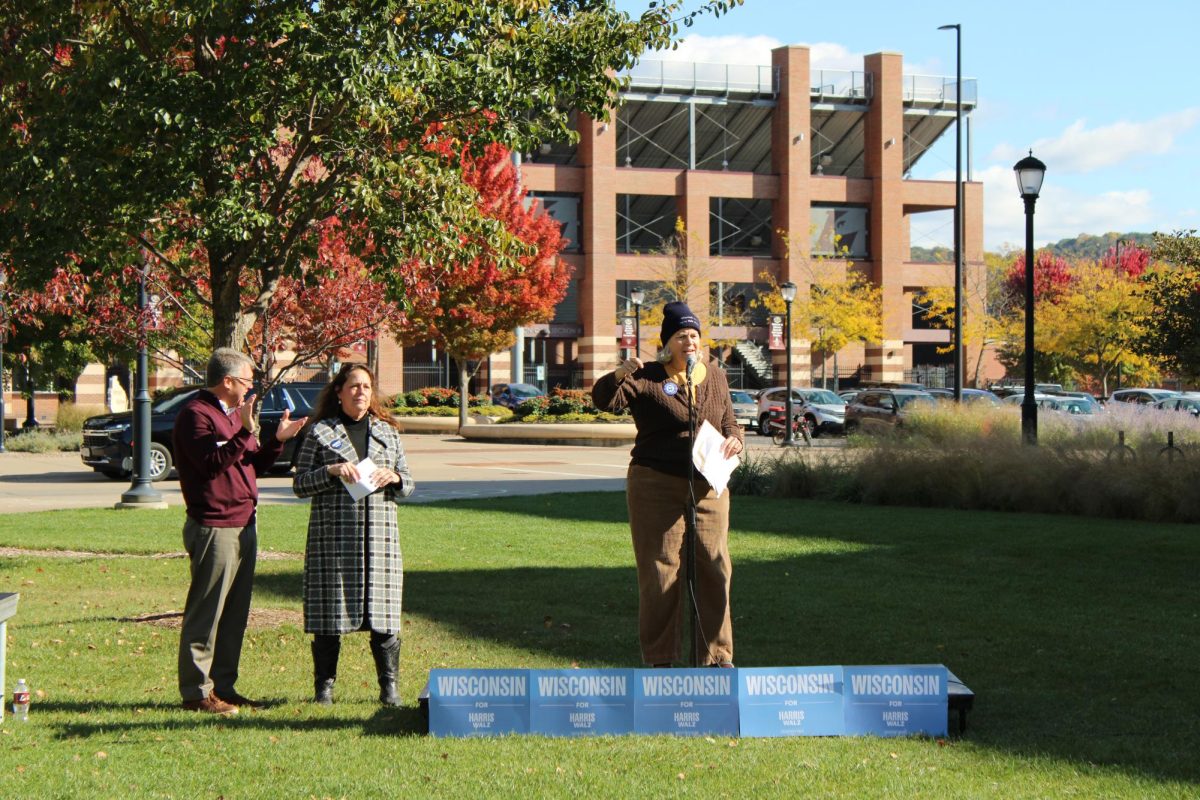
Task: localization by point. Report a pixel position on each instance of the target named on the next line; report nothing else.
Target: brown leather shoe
(234, 699)
(211, 705)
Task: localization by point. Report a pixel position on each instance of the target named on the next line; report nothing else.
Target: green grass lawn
(1079, 637)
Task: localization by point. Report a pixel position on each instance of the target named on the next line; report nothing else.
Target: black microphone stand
(690, 524)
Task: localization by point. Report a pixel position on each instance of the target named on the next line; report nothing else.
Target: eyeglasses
(248, 382)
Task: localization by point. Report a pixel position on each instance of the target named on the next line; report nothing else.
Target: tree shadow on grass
(1074, 634)
(170, 718)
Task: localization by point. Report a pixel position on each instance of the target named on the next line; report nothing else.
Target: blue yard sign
(478, 702)
(791, 701)
(581, 702)
(903, 700)
(686, 702)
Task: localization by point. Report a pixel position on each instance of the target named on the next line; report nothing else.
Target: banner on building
(775, 331)
(629, 332)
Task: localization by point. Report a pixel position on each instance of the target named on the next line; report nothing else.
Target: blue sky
(1106, 93)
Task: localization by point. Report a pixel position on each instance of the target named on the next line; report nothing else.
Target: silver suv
(824, 411)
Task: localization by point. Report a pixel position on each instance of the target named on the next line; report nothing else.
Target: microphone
(691, 365)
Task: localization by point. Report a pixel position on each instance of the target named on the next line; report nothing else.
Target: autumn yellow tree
(1096, 323)
(990, 311)
(841, 305)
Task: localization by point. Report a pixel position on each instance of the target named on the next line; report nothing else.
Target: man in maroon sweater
(219, 458)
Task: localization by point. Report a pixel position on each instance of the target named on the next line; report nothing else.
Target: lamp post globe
(1029, 172)
(788, 292)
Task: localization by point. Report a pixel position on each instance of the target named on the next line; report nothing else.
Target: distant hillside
(1086, 246)
(932, 255)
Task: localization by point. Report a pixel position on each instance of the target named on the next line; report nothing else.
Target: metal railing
(841, 83)
(938, 89)
(688, 76)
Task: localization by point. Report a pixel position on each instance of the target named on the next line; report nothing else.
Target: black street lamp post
(141, 492)
(958, 215)
(637, 297)
(788, 292)
(3, 335)
(1030, 173)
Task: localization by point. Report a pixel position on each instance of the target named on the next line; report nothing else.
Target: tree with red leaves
(471, 307)
(1051, 276)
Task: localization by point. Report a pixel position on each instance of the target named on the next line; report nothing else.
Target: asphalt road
(445, 468)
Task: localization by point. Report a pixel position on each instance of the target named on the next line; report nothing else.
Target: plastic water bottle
(20, 705)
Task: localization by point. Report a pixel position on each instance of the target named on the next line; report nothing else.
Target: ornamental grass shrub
(972, 458)
(70, 416)
(43, 441)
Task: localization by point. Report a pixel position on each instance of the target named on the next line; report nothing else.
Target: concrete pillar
(884, 160)
(598, 283)
(791, 156)
(389, 362)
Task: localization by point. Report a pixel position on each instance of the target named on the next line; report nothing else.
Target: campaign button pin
(671, 388)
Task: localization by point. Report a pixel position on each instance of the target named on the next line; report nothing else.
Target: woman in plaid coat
(353, 572)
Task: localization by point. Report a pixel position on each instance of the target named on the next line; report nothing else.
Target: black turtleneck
(357, 432)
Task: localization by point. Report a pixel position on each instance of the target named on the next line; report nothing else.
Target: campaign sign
(686, 702)
(581, 702)
(478, 702)
(900, 700)
(791, 701)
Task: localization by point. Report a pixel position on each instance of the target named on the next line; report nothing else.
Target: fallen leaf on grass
(101, 754)
(681, 776)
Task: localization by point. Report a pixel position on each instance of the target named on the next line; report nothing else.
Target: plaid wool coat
(337, 564)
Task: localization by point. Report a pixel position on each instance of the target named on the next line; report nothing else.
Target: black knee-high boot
(386, 650)
(325, 651)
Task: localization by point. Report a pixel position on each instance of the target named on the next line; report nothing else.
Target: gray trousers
(217, 607)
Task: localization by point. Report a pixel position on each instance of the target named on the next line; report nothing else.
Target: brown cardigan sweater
(662, 419)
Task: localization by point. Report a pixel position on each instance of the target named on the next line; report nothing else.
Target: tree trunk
(463, 397)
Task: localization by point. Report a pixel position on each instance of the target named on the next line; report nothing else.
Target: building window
(564, 208)
(645, 222)
(739, 227)
(840, 231)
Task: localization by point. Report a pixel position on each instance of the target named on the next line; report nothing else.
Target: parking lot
(445, 468)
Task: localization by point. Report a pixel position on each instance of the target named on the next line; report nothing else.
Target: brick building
(749, 158)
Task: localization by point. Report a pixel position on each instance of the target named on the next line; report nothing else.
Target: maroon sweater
(218, 462)
(662, 441)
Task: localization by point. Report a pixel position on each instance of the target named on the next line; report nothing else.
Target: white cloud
(1061, 211)
(1080, 149)
(721, 50)
(737, 49)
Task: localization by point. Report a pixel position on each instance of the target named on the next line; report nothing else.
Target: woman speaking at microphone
(657, 491)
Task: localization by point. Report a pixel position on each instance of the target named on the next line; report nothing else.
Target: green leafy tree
(1170, 330)
(235, 127)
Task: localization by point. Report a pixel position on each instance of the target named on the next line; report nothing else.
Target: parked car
(1142, 397)
(1086, 397)
(1075, 406)
(1185, 402)
(884, 409)
(108, 439)
(511, 395)
(823, 411)
(745, 410)
(968, 396)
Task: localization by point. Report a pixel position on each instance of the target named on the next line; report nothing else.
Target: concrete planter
(596, 434)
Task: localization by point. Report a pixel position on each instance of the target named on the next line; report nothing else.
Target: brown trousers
(657, 507)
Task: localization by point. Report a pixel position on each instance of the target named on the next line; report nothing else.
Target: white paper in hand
(706, 455)
(366, 468)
